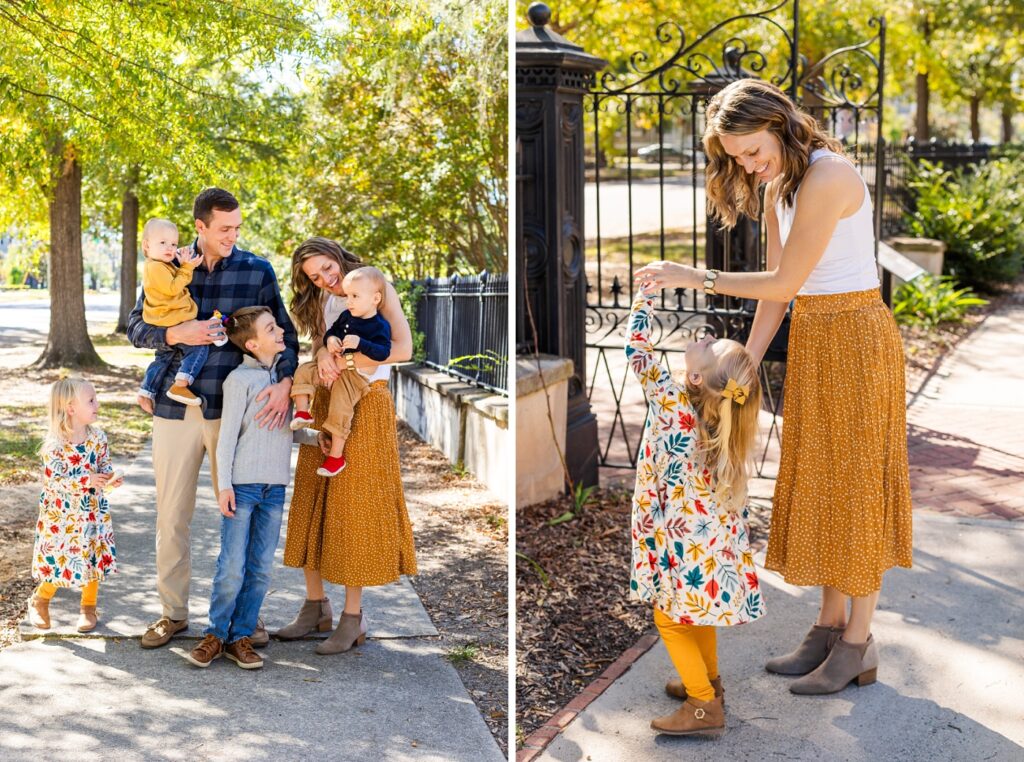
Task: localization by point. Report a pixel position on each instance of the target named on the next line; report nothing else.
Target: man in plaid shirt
(227, 279)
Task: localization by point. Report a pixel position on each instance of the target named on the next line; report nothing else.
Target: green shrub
(928, 301)
(978, 215)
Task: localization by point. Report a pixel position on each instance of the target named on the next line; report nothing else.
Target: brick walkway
(966, 427)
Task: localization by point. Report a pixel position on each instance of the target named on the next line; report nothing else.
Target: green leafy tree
(148, 84)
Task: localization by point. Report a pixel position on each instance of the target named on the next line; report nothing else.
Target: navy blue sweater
(374, 334)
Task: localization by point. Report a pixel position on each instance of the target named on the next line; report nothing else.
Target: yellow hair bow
(735, 392)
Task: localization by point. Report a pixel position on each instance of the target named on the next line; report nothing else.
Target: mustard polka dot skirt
(841, 514)
(353, 527)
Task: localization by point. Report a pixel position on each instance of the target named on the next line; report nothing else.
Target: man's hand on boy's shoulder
(226, 501)
(275, 412)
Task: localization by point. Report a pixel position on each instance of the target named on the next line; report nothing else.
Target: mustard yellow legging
(89, 591)
(693, 650)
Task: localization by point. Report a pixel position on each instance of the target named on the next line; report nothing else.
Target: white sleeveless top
(333, 308)
(848, 263)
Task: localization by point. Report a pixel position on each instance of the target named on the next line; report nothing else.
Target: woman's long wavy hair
(728, 430)
(744, 107)
(307, 306)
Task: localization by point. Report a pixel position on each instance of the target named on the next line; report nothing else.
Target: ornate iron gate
(650, 205)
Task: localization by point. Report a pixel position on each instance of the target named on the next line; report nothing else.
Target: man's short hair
(211, 199)
(240, 325)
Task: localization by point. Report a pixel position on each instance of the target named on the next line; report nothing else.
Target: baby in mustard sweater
(168, 302)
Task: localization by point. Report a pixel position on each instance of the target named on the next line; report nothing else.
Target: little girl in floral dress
(74, 544)
(691, 555)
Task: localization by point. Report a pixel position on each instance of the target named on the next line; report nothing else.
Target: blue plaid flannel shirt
(241, 280)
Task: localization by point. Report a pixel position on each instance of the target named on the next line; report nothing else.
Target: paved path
(394, 698)
(653, 206)
(950, 677)
(967, 425)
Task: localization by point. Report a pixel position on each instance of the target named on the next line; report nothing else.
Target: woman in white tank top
(841, 513)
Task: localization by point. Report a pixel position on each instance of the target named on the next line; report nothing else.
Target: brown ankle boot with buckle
(87, 619)
(242, 654)
(349, 633)
(846, 663)
(693, 718)
(39, 612)
(809, 655)
(675, 689)
(314, 616)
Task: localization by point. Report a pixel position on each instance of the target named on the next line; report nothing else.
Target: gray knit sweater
(246, 453)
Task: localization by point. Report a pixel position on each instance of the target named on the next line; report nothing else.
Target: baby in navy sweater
(360, 328)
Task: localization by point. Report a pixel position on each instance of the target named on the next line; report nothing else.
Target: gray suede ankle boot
(809, 655)
(350, 633)
(314, 616)
(845, 663)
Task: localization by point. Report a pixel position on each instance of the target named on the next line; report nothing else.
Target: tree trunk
(921, 132)
(975, 124)
(129, 251)
(68, 344)
(1007, 115)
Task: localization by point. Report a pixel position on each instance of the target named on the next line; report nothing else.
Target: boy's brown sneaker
(211, 647)
(184, 395)
(162, 630)
(242, 654)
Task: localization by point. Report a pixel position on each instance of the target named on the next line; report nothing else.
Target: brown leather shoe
(181, 393)
(39, 612)
(260, 637)
(675, 689)
(846, 663)
(211, 647)
(706, 718)
(162, 630)
(314, 616)
(809, 655)
(87, 619)
(242, 654)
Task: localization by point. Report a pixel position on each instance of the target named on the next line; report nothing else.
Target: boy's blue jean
(247, 545)
(191, 363)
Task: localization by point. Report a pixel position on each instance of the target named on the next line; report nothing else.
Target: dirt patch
(462, 552)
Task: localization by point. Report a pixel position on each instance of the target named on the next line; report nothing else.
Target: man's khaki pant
(178, 448)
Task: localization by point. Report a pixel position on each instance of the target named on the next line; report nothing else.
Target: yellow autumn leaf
(695, 551)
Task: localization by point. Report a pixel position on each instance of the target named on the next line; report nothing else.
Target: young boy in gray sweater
(254, 466)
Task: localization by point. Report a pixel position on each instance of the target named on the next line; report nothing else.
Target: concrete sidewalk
(78, 697)
(951, 637)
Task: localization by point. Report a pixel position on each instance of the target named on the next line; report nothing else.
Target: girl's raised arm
(640, 351)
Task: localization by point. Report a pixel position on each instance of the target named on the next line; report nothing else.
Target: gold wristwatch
(709, 282)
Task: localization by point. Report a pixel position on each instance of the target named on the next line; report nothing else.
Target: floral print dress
(690, 558)
(74, 535)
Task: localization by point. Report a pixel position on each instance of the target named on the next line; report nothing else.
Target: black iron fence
(464, 320)
(898, 201)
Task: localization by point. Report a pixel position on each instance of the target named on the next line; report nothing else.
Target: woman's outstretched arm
(829, 190)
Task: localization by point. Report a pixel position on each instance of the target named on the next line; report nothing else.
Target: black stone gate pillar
(552, 76)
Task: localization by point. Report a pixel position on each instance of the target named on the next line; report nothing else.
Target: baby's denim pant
(191, 363)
